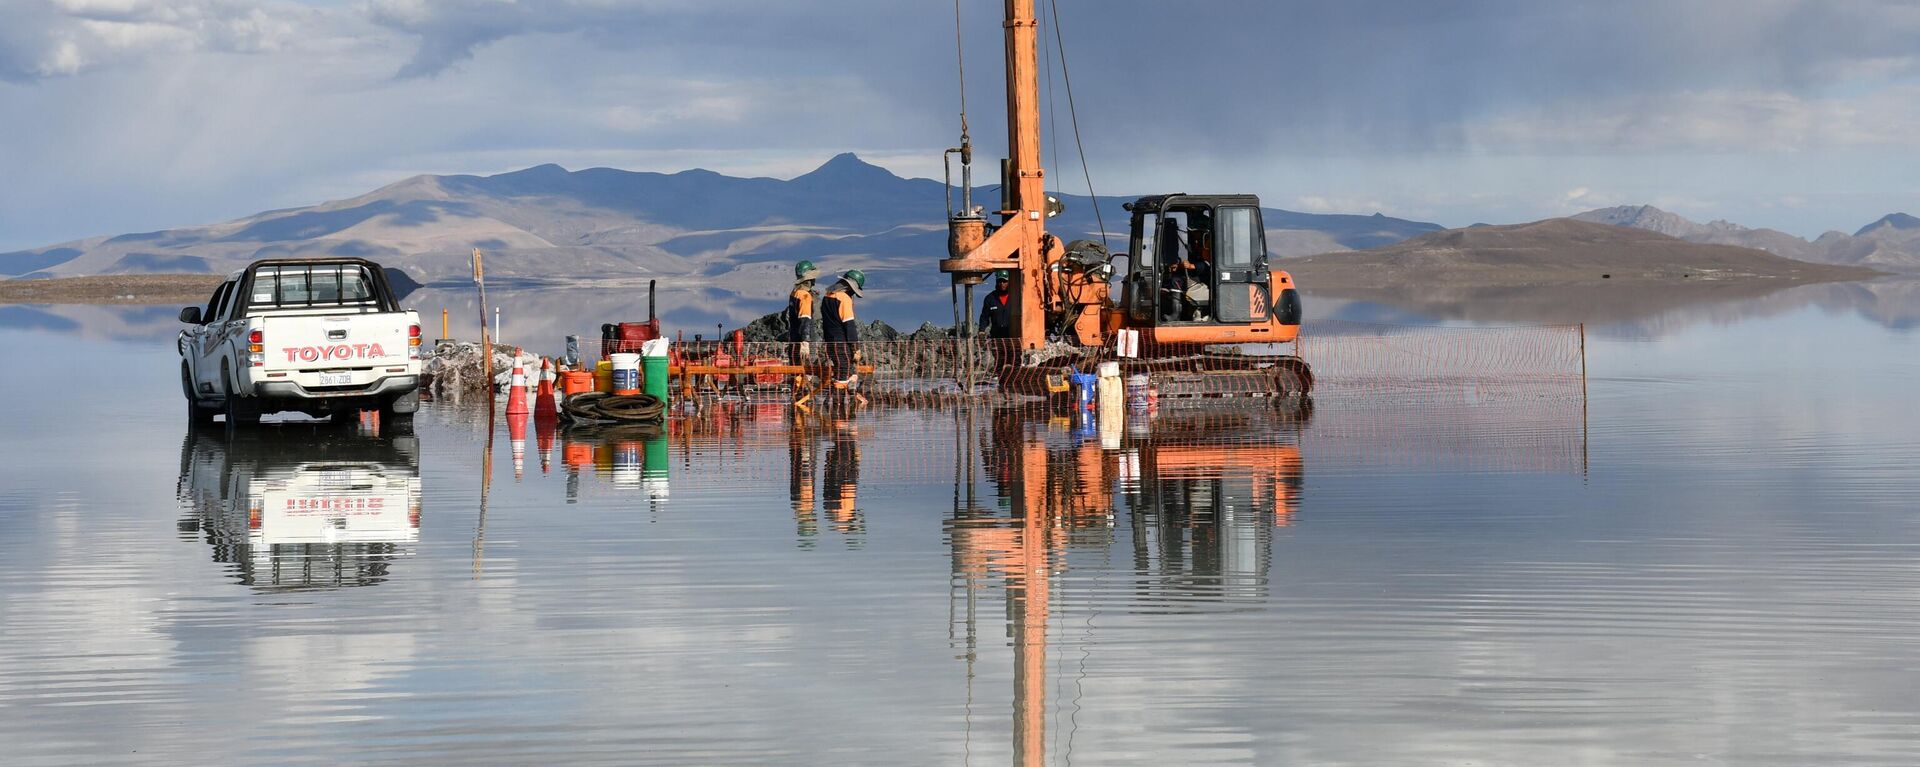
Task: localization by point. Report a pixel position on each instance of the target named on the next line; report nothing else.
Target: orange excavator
(1196, 304)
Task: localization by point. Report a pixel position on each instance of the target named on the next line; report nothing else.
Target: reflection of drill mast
(1020, 550)
(1048, 497)
(1201, 516)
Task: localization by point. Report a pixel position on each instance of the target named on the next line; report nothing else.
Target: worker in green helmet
(800, 305)
(840, 329)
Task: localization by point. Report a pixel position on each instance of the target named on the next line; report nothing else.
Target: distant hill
(1554, 252)
(546, 224)
(1557, 270)
(1890, 244)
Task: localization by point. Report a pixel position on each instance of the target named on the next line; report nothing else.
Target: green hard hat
(1002, 275)
(805, 270)
(855, 279)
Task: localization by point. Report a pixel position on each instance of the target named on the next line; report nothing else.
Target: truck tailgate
(314, 343)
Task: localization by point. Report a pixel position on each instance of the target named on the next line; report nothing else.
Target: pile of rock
(456, 368)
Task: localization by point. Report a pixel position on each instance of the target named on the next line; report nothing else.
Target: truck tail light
(253, 518)
(256, 349)
(413, 342)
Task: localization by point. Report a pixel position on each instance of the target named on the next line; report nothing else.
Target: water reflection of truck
(323, 508)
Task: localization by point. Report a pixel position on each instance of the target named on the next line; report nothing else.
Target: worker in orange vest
(841, 330)
(800, 311)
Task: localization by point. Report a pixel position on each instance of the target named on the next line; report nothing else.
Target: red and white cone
(517, 388)
(544, 409)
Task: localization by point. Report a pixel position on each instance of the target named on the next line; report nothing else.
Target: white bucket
(1113, 395)
(1137, 392)
(626, 373)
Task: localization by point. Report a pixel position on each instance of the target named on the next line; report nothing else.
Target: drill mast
(1021, 244)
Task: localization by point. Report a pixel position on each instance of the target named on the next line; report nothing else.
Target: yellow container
(603, 376)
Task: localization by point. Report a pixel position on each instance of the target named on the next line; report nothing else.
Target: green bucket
(653, 377)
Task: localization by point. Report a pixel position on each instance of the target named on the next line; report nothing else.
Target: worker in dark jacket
(996, 319)
(996, 314)
(840, 329)
(800, 311)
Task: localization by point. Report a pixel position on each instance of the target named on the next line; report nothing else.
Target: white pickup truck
(317, 336)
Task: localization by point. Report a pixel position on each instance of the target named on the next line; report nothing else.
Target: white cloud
(63, 38)
(1710, 121)
(128, 114)
(1315, 203)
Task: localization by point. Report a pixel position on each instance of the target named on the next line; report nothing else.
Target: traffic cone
(517, 388)
(544, 410)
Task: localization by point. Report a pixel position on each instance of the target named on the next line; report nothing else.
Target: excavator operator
(1199, 292)
(1173, 274)
(1186, 286)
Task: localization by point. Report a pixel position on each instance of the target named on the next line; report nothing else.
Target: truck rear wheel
(397, 413)
(405, 404)
(238, 410)
(196, 415)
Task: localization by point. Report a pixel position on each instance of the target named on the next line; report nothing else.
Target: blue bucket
(1085, 386)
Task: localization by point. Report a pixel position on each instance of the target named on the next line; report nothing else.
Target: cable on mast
(1066, 77)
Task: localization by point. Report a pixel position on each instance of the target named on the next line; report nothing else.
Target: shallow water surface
(1711, 558)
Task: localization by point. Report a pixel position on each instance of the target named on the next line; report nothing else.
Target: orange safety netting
(1331, 357)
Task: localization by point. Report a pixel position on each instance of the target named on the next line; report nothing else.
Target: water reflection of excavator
(324, 508)
(1200, 514)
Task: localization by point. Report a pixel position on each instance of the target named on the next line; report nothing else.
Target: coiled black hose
(589, 407)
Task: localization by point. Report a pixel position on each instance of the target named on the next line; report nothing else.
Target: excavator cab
(1201, 260)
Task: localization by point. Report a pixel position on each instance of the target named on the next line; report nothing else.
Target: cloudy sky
(125, 115)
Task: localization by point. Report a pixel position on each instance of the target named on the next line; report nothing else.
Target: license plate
(336, 379)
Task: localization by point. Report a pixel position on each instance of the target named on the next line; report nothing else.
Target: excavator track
(1196, 376)
(1228, 377)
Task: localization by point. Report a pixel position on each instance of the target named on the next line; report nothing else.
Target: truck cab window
(213, 304)
(228, 298)
(325, 285)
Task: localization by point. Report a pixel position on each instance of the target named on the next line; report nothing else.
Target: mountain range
(1889, 244)
(1556, 251)
(1559, 270)
(546, 224)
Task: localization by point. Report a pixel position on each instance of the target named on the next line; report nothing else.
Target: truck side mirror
(191, 315)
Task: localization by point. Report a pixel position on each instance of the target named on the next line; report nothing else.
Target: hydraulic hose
(625, 408)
